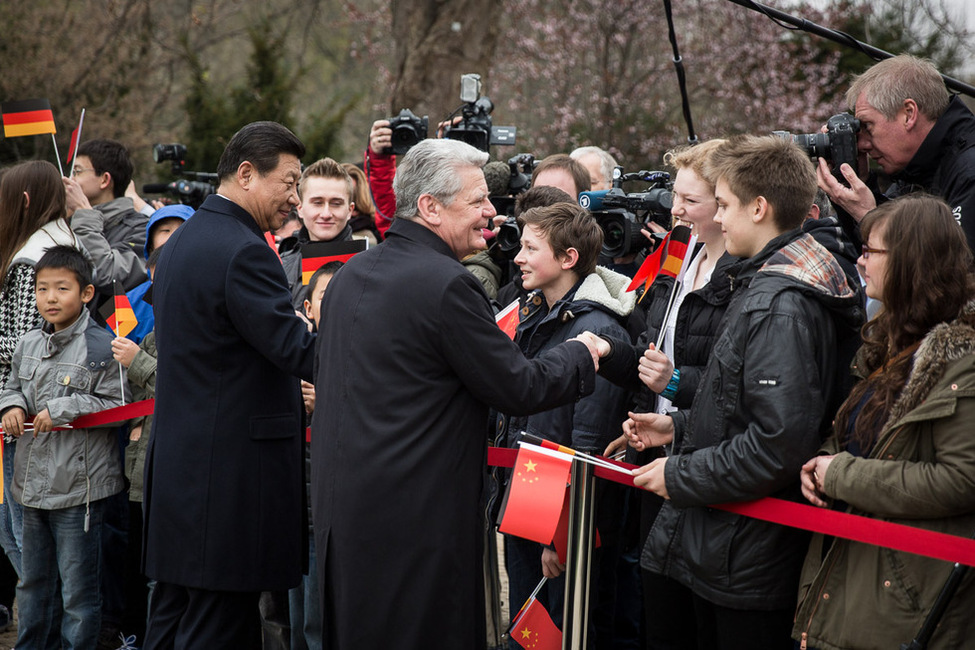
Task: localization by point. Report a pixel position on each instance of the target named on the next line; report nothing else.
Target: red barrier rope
(899, 537)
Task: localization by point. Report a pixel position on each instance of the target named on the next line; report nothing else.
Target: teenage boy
(325, 206)
(103, 218)
(569, 295)
(63, 478)
(765, 401)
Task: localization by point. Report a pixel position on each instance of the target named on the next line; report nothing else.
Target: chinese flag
(533, 503)
(680, 238)
(120, 317)
(534, 629)
(317, 254)
(27, 117)
(508, 319)
(561, 539)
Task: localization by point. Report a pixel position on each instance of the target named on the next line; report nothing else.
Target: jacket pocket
(707, 537)
(28, 367)
(71, 378)
(273, 427)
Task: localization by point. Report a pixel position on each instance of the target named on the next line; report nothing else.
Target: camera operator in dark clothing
(918, 134)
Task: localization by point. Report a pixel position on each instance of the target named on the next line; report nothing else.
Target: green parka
(921, 472)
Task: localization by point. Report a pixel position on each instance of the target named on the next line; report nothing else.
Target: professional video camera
(190, 190)
(408, 130)
(623, 215)
(519, 179)
(475, 127)
(838, 145)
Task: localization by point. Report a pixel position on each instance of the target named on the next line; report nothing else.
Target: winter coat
(398, 479)
(763, 406)
(142, 377)
(70, 373)
(380, 170)
(920, 472)
(290, 252)
(222, 492)
(114, 233)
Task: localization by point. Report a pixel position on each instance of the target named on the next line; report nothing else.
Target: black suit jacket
(223, 477)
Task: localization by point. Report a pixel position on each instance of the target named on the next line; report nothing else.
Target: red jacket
(380, 170)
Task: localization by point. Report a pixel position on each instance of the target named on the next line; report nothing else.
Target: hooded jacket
(114, 234)
(920, 472)
(599, 304)
(763, 406)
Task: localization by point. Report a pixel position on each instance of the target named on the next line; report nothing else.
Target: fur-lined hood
(607, 288)
(945, 343)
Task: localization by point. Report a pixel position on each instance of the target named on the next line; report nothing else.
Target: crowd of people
(313, 473)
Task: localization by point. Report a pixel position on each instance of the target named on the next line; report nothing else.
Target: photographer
(918, 134)
(380, 167)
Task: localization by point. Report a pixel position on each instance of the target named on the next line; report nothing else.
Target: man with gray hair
(919, 135)
(600, 164)
(398, 478)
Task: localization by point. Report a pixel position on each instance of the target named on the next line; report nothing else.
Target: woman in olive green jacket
(903, 448)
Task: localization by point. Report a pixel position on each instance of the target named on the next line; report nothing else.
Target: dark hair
(66, 257)
(261, 144)
(42, 182)
(537, 197)
(580, 175)
(325, 270)
(928, 279)
(112, 157)
(568, 225)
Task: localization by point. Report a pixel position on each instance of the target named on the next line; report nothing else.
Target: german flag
(118, 313)
(680, 237)
(27, 117)
(317, 254)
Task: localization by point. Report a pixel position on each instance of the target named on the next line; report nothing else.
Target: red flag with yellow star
(533, 503)
(534, 629)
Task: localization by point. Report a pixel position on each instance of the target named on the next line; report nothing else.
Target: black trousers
(184, 618)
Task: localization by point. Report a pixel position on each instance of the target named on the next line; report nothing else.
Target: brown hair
(770, 167)
(568, 225)
(361, 195)
(325, 168)
(695, 158)
(42, 183)
(578, 172)
(928, 280)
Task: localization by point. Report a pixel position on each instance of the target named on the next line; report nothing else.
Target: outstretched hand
(646, 430)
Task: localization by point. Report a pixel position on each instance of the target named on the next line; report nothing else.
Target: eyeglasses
(81, 170)
(867, 251)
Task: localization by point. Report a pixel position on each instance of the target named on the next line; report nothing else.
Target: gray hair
(432, 167)
(888, 83)
(606, 161)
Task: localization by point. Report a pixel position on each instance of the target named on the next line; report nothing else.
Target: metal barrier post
(575, 617)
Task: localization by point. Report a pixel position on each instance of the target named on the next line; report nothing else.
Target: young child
(60, 372)
(764, 402)
(560, 244)
(304, 602)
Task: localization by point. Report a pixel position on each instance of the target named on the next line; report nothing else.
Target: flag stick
(563, 451)
(121, 371)
(670, 306)
(56, 154)
(514, 619)
(77, 142)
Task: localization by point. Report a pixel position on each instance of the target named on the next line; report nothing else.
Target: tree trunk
(436, 41)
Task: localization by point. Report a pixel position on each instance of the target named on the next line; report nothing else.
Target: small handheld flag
(75, 140)
(316, 254)
(677, 248)
(650, 267)
(533, 503)
(508, 319)
(27, 117)
(533, 629)
(118, 312)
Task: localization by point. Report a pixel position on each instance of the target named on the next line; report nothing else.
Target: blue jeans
(57, 546)
(11, 513)
(306, 609)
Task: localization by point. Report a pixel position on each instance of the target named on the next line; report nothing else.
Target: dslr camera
(475, 127)
(837, 146)
(509, 234)
(192, 188)
(408, 130)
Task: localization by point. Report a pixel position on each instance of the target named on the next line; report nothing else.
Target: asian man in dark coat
(223, 478)
(397, 479)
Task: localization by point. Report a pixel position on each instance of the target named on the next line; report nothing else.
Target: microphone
(497, 175)
(592, 201)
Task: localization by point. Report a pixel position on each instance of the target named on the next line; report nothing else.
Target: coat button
(887, 583)
(66, 380)
(825, 596)
(536, 300)
(954, 387)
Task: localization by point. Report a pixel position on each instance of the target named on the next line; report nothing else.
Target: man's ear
(105, 181)
(245, 174)
(429, 209)
(760, 209)
(307, 306)
(910, 114)
(87, 294)
(569, 259)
